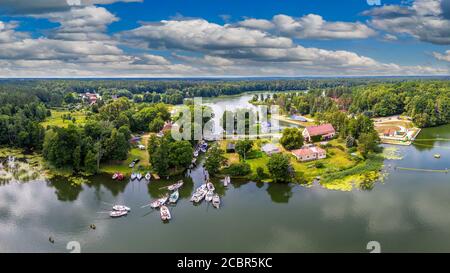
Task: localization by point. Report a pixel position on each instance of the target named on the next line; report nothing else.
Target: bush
(238, 169)
(260, 172)
(319, 165)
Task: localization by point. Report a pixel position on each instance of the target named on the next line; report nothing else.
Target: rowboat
(121, 208)
(209, 196)
(175, 186)
(165, 213)
(158, 202)
(138, 176)
(216, 201)
(173, 198)
(210, 186)
(148, 176)
(117, 213)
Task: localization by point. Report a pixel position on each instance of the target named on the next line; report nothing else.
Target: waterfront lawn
(338, 160)
(123, 166)
(56, 118)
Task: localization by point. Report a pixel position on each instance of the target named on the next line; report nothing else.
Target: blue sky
(197, 38)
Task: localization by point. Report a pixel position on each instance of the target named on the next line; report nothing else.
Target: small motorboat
(437, 156)
(121, 208)
(115, 176)
(120, 177)
(133, 176)
(202, 188)
(175, 186)
(173, 198)
(148, 176)
(117, 213)
(156, 176)
(138, 176)
(210, 186)
(209, 196)
(226, 181)
(165, 213)
(198, 195)
(216, 201)
(158, 202)
(201, 195)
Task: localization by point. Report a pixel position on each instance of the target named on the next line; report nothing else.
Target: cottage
(270, 149)
(91, 98)
(309, 153)
(324, 131)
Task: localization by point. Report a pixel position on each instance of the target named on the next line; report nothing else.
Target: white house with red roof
(309, 153)
(326, 131)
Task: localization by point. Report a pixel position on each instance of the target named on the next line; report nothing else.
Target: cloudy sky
(198, 38)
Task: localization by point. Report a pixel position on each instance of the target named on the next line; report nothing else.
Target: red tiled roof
(303, 152)
(310, 151)
(320, 130)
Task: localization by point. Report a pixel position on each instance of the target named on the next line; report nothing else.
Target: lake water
(408, 211)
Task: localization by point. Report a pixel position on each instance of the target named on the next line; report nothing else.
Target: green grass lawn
(338, 160)
(123, 166)
(56, 118)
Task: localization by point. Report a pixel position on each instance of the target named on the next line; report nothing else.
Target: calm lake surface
(408, 211)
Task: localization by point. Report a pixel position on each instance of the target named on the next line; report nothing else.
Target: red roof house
(326, 131)
(309, 153)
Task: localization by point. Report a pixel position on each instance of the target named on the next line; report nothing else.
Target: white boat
(120, 208)
(226, 181)
(173, 198)
(114, 177)
(138, 176)
(158, 202)
(148, 176)
(201, 195)
(209, 196)
(202, 188)
(216, 201)
(175, 186)
(210, 186)
(203, 150)
(198, 195)
(133, 176)
(195, 153)
(165, 213)
(118, 213)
